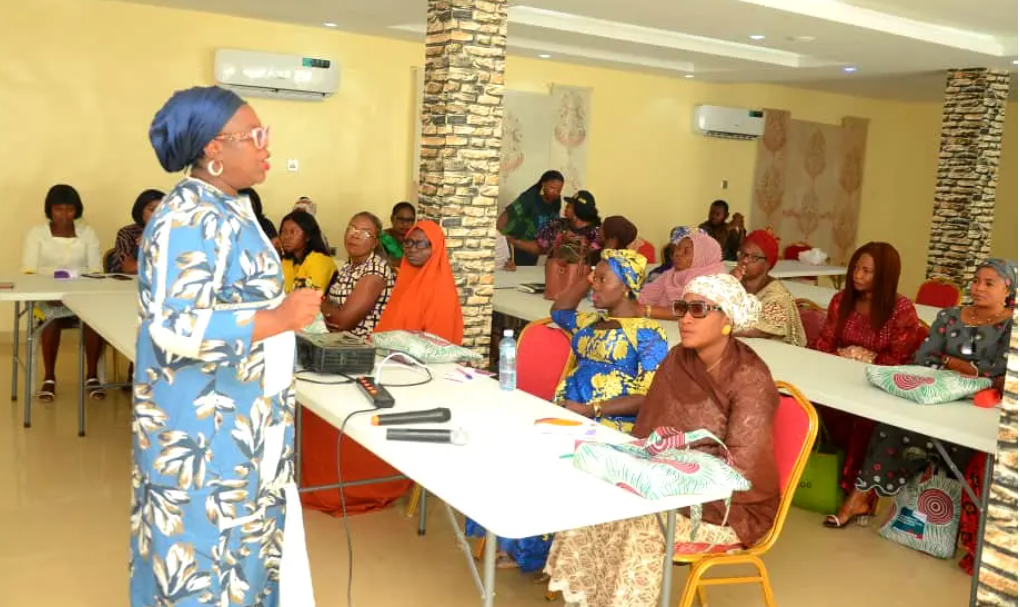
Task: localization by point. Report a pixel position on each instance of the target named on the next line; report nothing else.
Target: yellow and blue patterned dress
(610, 362)
(213, 424)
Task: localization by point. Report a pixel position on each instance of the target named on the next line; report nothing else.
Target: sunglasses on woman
(259, 136)
(697, 309)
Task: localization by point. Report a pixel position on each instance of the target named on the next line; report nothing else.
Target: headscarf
(680, 232)
(628, 265)
(726, 291)
(188, 122)
(426, 298)
(621, 228)
(768, 243)
(670, 286)
(1007, 270)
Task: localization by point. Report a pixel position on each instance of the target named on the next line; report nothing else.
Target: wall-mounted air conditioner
(258, 74)
(728, 122)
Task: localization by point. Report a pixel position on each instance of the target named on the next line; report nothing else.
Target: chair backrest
(795, 249)
(648, 251)
(543, 356)
(793, 437)
(938, 292)
(812, 316)
(107, 258)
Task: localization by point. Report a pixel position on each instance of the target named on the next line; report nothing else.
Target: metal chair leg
(422, 512)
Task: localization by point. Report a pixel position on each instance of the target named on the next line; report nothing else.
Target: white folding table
(511, 479)
(30, 289)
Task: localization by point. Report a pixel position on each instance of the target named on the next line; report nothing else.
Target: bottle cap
(508, 332)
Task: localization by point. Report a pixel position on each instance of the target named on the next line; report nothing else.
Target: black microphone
(429, 416)
(428, 435)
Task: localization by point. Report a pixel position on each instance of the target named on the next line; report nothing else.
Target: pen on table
(465, 373)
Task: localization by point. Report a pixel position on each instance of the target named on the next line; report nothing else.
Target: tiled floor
(64, 536)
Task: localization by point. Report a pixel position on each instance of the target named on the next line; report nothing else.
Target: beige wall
(81, 79)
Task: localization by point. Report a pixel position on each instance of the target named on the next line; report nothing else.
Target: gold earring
(727, 330)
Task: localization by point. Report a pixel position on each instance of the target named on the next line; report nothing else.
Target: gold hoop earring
(215, 168)
(726, 330)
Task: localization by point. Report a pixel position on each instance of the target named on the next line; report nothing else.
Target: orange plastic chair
(544, 357)
(939, 293)
(795, 249)
(793, 436)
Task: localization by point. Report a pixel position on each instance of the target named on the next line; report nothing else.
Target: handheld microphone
(428, 435)
(429, 416)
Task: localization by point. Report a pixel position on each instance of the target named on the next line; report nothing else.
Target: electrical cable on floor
(343, 505)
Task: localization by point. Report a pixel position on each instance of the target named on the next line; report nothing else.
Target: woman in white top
(63, 242)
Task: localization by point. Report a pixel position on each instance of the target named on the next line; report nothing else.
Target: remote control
(379, 396)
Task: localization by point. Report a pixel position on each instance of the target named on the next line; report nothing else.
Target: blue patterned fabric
(629, 266)
(207, 506)
(610, 363)
(188, 122)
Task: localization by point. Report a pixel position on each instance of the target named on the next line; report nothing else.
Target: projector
(335, 353)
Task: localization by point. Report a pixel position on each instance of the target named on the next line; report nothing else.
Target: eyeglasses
(697, 309)
(751, 258)
(258, 136)
(359, 234)
(421, 245)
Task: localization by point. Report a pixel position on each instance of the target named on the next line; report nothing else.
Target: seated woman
(63, 242)
(425, 297)
(580, 224)
(970, 340)
(392, 240)
(361, 287)
(779, 318)
(714, 382)
(529, 213)
(354, 302)
(617, 354)
(870, 322)
(696, 254)
(124, 258)
(306, 260)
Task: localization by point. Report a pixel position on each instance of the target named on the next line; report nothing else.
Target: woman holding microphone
(214, 505)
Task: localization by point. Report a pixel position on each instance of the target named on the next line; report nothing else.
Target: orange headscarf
(425, 298)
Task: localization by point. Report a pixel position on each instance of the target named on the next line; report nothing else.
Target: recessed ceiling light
(756, 37)
(329, 24)
(545, 56)
(688, 75)
(849, 69)
(800, 38)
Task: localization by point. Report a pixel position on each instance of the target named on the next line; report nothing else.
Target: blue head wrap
(628, 265)
(188, 122)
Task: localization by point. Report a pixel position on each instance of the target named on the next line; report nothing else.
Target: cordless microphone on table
(429, 416)
(428, 435)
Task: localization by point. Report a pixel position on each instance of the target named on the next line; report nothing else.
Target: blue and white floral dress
(213, 427)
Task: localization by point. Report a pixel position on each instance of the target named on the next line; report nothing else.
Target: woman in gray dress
(972, 340)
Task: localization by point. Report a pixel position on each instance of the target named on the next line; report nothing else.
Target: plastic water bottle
(508, 361)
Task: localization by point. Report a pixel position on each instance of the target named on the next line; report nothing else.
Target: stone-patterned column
(465, 55)
(968, 169)
(998, 575)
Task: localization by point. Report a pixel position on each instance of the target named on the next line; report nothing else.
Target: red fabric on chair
(648, 251)
(542, 354)
(813, 320)
(938, 293)
(790, 429)
(795, 249)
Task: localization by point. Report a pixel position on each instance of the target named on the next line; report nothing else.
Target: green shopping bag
(819, 489)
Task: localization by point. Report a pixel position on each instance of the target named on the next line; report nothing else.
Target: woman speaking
(212, 469)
